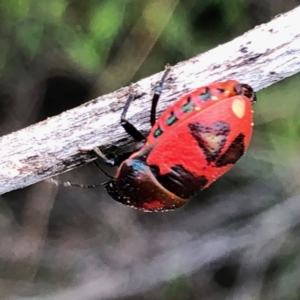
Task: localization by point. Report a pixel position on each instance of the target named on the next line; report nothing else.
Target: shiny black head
(247, 91)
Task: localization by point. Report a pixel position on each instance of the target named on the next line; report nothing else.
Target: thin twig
(261, 57)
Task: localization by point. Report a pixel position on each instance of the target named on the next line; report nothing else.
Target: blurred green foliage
(100, 35)
(105, 44)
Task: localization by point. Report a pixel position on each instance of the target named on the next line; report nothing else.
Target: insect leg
(157, 92)
(111, 162)
(116, 161)
(129, 128)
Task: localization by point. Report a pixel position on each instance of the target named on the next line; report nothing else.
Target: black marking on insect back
(172, 119)
(158, 132)
(188, 106)
(206, 95)
(233, 153)
(180, 181)
(211, 139)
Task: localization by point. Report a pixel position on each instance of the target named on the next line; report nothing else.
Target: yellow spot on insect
(215, 98)
(238, 108)
(197, 108)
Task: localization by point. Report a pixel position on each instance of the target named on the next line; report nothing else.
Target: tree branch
(261, 57)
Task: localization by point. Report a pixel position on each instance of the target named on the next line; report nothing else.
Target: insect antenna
(71, 184)
(79, 185)
(102, 170)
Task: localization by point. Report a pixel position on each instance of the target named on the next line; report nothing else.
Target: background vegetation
(239, 239)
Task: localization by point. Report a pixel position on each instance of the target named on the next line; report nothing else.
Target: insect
(193, 142)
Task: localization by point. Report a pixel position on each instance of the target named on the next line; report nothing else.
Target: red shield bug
(195, 141)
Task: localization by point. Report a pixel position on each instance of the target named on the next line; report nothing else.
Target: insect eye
(220, 90)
